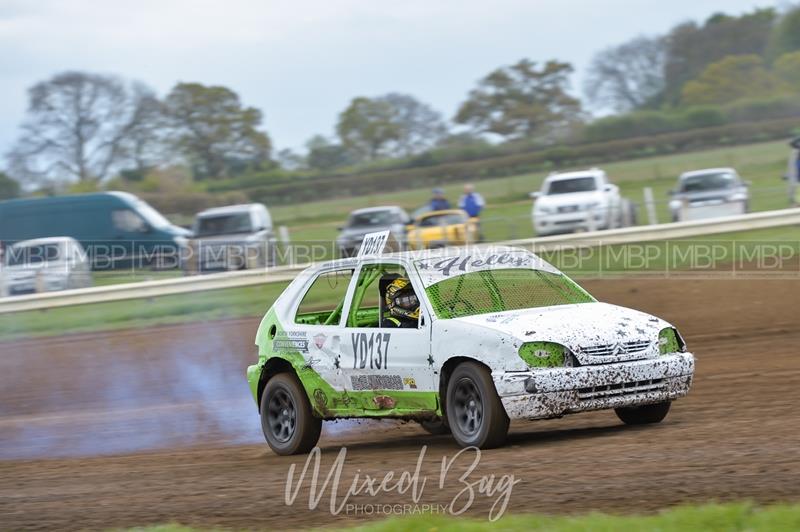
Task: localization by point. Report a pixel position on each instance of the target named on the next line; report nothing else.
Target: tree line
(89, 128)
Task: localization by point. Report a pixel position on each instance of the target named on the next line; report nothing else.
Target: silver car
(369, 220)
(45, 265)
(708, 194)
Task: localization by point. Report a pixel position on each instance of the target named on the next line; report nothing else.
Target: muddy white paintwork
(616, 348)
(577, 327)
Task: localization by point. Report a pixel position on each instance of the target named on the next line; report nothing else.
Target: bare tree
(629, 76)
(145, 140)
(77, 127)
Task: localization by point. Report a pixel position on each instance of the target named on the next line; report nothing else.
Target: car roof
(426, 254)
(229, 209)
(126, 197)
(377, 209)
(695, 173)
(592, 172)
(427, 214)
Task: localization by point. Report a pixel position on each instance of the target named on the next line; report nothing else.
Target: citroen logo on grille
(619, 349)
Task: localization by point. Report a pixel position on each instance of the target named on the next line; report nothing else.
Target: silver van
(235, 237)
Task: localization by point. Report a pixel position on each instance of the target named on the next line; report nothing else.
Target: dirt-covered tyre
(644, 414)
(286, 418)
(475, 415)
(435, 426)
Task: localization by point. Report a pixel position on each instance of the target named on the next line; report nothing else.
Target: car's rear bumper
(555, 392)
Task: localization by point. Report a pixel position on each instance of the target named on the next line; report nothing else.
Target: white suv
(573, 201)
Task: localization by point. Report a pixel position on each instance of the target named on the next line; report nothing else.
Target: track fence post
(650, 206)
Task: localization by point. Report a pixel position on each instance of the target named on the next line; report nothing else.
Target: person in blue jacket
(472, 202)
(438, 201)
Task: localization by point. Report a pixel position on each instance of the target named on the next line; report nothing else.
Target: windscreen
(153, 217)
(442, 219)
(370, 219)
(224, 224)
(568, 186)
(499, 290)
(706, 182)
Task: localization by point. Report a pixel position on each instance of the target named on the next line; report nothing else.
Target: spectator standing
(472, 202)
(794, 172)
(438, 201)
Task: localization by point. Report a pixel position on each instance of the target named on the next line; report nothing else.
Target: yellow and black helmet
(401, 301)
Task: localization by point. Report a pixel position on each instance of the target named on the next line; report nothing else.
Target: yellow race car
(437, 229)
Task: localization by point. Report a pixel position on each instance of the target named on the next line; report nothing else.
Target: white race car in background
(500, 335)
(579, 201)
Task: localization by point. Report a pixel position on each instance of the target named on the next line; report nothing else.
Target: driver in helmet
(402, 305)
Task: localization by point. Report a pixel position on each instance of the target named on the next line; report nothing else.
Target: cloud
(301, 61)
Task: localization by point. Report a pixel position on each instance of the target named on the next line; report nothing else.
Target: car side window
(128, 221)
(384, 298)
(323, 302)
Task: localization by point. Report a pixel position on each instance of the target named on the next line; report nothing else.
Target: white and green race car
(497, 334)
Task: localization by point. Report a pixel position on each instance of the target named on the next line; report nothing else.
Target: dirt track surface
(190, 452)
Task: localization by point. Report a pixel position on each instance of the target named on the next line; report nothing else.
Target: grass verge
(730, 517)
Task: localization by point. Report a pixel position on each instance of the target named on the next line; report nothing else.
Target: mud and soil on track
(135, 427)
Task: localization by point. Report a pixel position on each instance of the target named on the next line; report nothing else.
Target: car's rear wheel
(475, 415)
(644, 414)
(286, 418)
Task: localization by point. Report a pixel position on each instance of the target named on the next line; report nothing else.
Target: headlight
(670, 342)
(543, 210)
(739, 196)
(590, 206)
(543, 354)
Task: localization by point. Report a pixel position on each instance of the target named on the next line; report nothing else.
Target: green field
(732, 517)
(508, 212)
(660, 258)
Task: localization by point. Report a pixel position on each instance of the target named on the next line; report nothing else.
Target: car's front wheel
(287, 421)
(475, 415)
(644, 414)
(435, 426)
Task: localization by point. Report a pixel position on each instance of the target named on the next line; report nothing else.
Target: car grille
(621, 389)
(568, 208)
(623, 348)
(708, 201)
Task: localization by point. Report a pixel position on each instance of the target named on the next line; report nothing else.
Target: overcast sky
(301, 61)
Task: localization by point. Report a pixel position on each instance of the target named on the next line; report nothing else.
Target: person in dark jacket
(438, 201)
